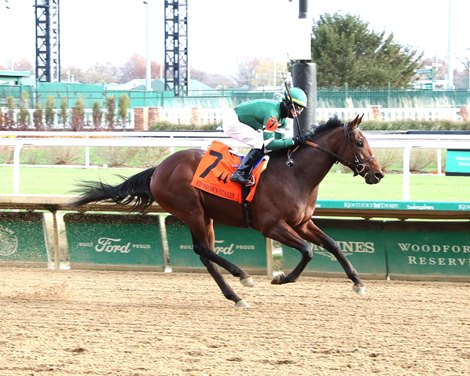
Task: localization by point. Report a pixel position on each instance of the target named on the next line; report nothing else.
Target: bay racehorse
(282, 208)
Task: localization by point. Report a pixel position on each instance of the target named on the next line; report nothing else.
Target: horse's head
(359, 154)
(352, 150)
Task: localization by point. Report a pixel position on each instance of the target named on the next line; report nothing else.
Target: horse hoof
(242, 304)
(360, 290)
(278, 279)
(247, 282)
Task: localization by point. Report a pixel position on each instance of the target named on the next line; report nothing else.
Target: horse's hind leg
(209, 258)
(206, 251)
(224, 287)
(315, 235)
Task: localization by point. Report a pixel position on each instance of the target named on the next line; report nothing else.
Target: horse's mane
(332, 123)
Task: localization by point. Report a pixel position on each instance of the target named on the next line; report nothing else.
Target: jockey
(257, 123)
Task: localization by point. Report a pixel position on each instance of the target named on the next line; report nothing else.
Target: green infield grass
(340, 186)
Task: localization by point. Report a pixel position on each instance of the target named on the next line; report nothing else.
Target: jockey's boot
(243, 173)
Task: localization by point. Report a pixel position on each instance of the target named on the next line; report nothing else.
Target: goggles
(298, 108)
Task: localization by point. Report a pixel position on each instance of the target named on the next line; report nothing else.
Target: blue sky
(223, 33)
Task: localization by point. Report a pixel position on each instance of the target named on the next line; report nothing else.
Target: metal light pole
(467, 65)
(148, 86)
(450, 68)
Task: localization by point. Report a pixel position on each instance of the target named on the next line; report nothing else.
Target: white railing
(214, 115)
(203, 139)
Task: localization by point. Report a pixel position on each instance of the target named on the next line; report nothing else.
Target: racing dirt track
(141, 323)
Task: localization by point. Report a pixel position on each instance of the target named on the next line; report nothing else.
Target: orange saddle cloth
(213, 173)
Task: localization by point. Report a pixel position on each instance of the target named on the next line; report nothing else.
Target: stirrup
(239, 178)
(251, 182)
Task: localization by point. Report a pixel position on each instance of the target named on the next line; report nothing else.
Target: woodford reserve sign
(428, 248)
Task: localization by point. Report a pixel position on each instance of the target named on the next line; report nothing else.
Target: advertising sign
(361, 242)
(244, 247)
(114, 239)
(22, 238)
(394, 205)
(458, 162)
(428, 249)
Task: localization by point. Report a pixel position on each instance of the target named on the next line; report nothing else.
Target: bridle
(358, 166)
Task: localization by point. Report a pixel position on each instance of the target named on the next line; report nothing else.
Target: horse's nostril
(379, 175)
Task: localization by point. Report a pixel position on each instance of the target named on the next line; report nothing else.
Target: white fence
(214, 115)
(392, 114)
(203, 139)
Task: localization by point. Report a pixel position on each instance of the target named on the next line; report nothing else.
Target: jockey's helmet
(298, 96)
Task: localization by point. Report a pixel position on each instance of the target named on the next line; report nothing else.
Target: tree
(78, 114)
(134, 68)
(110, 114)
(10, 115)
(38, 116)
(49, 111)
(347, 52)
(24, 113)
(124, 104)
(439, 66)
(63, 111)
(101, 73)
(97, 115)
(73, 74)
(24, 65)
(270, 73)
(246, 75)
(213, 80)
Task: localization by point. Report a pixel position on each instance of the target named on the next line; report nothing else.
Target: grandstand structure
(47, 40)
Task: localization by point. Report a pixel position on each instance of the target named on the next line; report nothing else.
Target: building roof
(16, 76)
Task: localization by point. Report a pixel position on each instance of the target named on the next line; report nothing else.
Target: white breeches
(241, 132)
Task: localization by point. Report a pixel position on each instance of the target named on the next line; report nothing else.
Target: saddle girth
(246, 207)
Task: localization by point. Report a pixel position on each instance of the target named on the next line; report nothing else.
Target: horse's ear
(354, 123)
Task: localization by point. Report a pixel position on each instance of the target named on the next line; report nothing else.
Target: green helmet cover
(298, 96)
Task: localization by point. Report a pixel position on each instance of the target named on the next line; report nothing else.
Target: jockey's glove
(299, 140)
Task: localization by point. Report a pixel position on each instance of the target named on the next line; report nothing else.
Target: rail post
(406, 172)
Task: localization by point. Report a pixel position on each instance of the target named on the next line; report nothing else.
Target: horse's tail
(134, 191)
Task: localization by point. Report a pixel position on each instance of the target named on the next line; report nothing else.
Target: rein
(357, 167)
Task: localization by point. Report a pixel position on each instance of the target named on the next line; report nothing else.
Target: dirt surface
(141, 323)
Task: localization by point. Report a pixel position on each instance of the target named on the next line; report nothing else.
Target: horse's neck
(309, 169)
(316, 165)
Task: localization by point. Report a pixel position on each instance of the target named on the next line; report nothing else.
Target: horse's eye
(360, 144)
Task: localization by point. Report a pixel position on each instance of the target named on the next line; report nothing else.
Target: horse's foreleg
(314, 235)
(286, 235)
(224, 287)
(306, 251)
